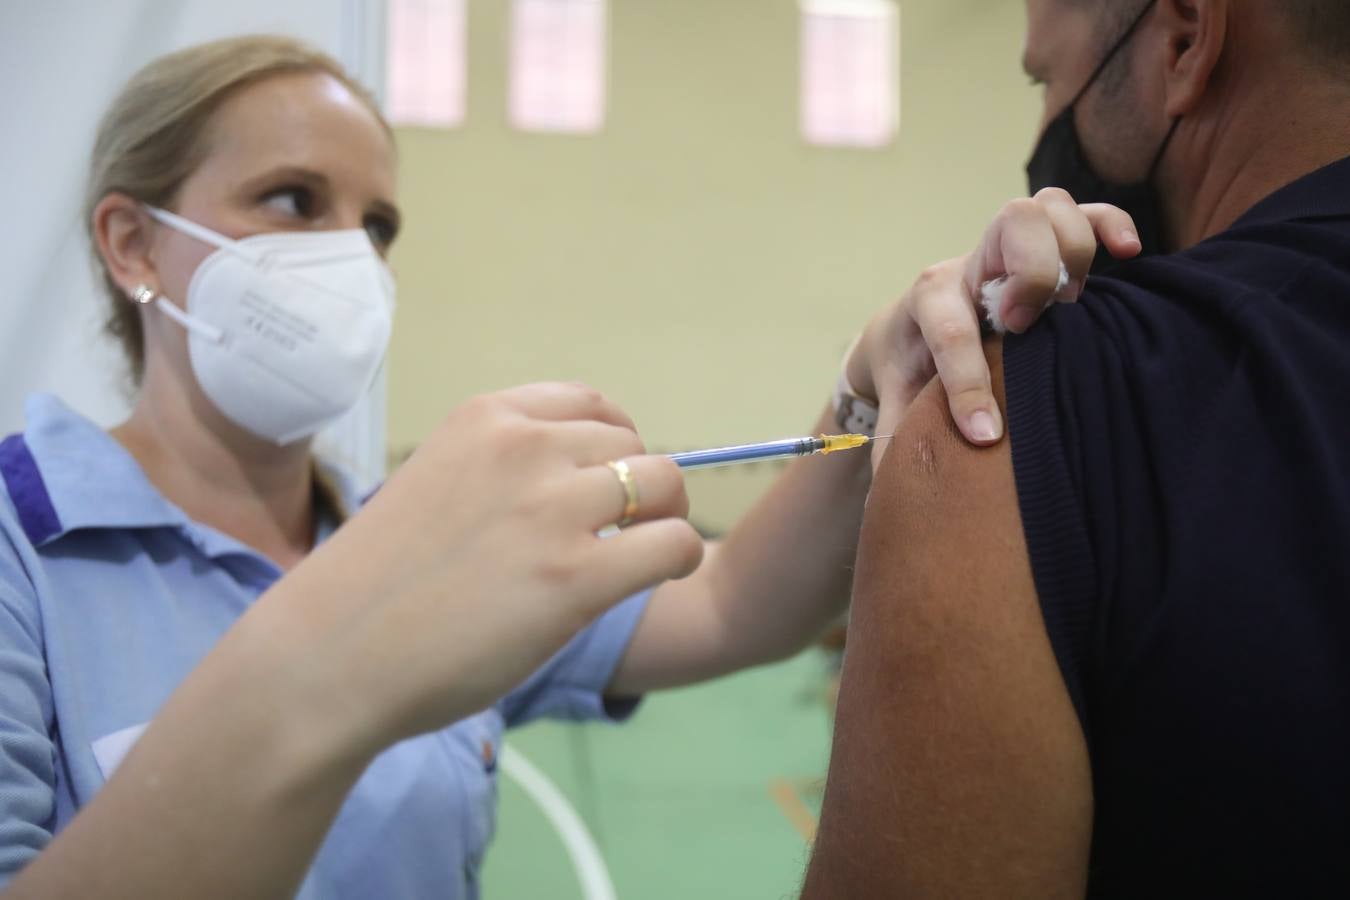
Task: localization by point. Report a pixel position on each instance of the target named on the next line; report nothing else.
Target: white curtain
(61, 62)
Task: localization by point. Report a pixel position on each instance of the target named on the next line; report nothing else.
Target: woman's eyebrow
(293, 173)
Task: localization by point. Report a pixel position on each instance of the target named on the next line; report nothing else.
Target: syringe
(745, 453)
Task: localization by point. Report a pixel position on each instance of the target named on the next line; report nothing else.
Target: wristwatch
(855, 413)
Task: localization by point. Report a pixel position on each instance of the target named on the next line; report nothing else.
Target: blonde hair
(151, 138)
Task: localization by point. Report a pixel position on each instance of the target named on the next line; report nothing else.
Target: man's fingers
(1115, 228)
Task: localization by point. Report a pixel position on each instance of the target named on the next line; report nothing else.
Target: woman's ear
(122, 232)
(1197, 31)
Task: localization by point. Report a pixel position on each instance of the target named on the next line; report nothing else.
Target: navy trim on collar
(1323, 194)
(28, 491)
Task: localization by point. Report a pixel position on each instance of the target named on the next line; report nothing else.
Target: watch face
(853, 424)
(856, 415)
(861, 424)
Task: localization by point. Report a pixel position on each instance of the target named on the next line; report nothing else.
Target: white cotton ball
(991, 297)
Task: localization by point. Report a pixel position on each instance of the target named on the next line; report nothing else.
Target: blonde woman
(223, 676)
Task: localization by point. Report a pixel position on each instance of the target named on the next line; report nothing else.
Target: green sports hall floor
(705, 792)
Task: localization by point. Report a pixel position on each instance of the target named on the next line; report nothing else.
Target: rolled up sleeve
(572, 684)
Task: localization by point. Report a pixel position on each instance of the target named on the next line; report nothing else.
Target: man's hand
(934, 328)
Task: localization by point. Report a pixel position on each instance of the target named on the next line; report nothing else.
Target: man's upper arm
(959, 767)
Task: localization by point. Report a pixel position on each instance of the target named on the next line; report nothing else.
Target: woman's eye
(292, 201)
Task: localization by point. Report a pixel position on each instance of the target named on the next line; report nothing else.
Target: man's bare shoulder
(959, 768)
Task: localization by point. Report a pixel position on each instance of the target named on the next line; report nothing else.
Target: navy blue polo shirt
(1181, 444)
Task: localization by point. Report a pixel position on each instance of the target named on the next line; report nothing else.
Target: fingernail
(1129, 236)
(982, 426)
(1019, 319)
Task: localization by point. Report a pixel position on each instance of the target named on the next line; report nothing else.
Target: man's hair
(1323, 26)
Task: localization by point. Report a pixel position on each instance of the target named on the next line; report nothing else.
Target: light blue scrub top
(110, 595)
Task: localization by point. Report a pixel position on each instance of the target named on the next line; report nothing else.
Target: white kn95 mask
(286, 330)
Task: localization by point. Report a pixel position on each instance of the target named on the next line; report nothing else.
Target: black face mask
(1059, 162)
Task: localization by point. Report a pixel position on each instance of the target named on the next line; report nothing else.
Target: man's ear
(1196, 32)
(122, 230)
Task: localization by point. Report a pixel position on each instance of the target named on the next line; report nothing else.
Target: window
(426, 63)
(850, 74)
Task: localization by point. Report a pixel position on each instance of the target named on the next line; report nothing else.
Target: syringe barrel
(727, 456)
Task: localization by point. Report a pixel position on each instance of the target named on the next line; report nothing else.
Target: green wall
(696, 260)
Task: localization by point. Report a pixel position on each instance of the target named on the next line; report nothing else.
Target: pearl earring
(143, 294)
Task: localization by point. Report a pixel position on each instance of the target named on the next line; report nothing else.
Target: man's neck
(1232, 158)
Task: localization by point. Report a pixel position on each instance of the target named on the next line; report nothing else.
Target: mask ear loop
(1157, 159)
(145, 295)
(1106, 61)
(191, 228)
(191, 323)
